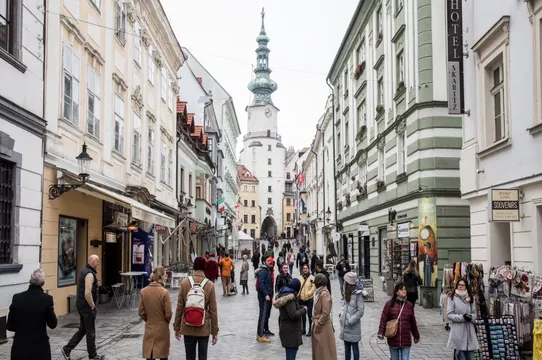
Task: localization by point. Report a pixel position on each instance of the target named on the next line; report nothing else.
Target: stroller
(233, 286)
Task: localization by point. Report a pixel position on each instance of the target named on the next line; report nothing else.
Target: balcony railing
(256, 134)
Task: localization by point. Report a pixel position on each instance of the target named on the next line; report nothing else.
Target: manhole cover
(71, 326)
(131, 336)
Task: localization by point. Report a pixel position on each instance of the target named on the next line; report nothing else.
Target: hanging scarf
(463, 294)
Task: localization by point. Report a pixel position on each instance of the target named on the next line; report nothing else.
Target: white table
(133, 277)
(176, 279)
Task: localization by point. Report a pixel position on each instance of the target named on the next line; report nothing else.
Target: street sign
(336, 236)
(504, 205)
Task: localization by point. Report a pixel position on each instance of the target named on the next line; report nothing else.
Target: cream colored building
(249, 209)
(111, 84)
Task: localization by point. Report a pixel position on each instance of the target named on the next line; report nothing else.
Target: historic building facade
(249, 206)
(396, 147)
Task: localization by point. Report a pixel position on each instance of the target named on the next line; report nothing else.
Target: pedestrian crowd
(304, 304)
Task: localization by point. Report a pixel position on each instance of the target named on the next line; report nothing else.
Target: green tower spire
(262, 86)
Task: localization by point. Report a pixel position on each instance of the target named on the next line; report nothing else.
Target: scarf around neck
(463, 295)
(400, 299)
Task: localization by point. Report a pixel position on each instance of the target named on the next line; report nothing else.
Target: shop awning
(139, 211)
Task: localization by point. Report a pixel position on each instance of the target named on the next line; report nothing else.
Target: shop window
(72, 249)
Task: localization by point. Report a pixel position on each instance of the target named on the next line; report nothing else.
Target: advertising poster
(67, 252)
(427, 241)
(138, 253)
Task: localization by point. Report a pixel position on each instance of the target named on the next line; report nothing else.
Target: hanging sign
(403, 230)
(504, 205)
(454, 22)
(336, 236)
(363, 227)
(160, 228)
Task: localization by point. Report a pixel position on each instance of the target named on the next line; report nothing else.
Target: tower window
(268, 161)
(268, 147)
(268, 133)
(269, 189)
(269, 174)
(269, 201)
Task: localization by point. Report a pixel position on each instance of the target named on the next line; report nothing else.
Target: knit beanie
(295, 285)
(350, 278)
(199, 263)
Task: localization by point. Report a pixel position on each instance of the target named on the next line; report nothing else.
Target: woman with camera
(461, 312)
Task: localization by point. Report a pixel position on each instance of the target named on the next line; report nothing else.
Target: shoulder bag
(391, 326)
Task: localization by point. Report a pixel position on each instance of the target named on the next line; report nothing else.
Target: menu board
(497, 339)
(368, 286)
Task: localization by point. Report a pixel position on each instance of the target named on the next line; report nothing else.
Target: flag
(300, 178)
(221, 205)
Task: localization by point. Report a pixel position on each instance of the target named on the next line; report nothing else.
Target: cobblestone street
(119, 332)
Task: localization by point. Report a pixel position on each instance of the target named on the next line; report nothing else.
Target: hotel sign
(454, 22)
(504, 205)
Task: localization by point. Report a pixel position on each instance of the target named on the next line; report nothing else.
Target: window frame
(118, 125)
(163, 159)
(170, 167)
(136, 139)
(10, 205)
(163, 84)
(150, 151)
(75, 85)
(151, 66)
(402, 152)
(95, 94)
(120, 21)
(137, 44)
(381, 173)
(400, 64)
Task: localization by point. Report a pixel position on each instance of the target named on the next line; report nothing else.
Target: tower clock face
(268, 112)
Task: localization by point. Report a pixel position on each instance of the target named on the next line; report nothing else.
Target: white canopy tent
(245, 241)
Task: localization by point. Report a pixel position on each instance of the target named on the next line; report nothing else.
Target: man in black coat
(319, 269)
(29, 315)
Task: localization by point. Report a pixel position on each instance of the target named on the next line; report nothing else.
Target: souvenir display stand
(497, 339)
(368, 286)
(474, 273)
(400, 257)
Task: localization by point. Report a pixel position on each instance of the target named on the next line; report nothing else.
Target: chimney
(199, 80)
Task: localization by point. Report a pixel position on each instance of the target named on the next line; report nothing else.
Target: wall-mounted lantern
(84, 160)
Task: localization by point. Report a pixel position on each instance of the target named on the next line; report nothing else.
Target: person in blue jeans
(351, 314)
(265, 296)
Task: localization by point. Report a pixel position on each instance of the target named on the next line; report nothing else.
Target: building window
(120, 21)
(269, 174)
(399, 5)
(268, 161)
(150, 155)
(245, 219)
(345, 81)
(346, 132)
(269, 189)
(288, 202)
(182, 181)
(498, 100)
(400, 68)
(93, 103)
(119, 124)
(190, 193)
(288, 176)
(361, 52)
(380, 92)
(245, 203)
(136, 141)
(269, 201)
(379, 26)
(268, 147)
(253, 188)
(381, 167)
(169, 96)
(7, 206)
(289, 187)
(137, 43)
(70, 105)
(253, 233)
(245, 188)
(151, 66)
(402, 148)
(7, 25)
(362, 115)
(338, 131)
(164, 84)
(96, 3)
(170, 167)
(163, 152)
(363, 173)
(288, 217)
(253, 203)
(253, 219)
(198, 192)
(268, 133)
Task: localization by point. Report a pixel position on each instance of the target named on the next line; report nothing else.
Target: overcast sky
(305, 36)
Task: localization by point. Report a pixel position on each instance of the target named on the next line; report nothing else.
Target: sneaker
(269, 333)
(97, 357)
(309, 333)
(65, 353)
(263, 339)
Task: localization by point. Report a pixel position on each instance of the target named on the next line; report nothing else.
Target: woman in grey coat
(461, 312)
(244, 275)
(350, 317)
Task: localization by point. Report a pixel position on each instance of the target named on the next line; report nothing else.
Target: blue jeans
(341, 284)
(291, 353)
(400, 353)
(464, 355)
(350, 347)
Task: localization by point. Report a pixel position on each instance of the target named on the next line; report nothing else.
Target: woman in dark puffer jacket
(290, 318)
(399, 308)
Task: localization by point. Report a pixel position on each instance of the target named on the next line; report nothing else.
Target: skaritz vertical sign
(454, 22)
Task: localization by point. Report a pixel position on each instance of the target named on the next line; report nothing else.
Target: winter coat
(462, 333)
(323, 335)
(342, 268)
(302, 259)
(282, 280)
(412, 280)
(210, 327)
(255, 260)
(307, 288)
(350, 317)
(155, 310)
(265, 283)
(244, 271)
(30, 313)
(290, 314)
(406, 325)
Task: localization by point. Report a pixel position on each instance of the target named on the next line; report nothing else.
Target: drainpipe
(334, 162)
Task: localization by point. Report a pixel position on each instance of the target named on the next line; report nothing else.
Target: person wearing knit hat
(199, 263)
(323, 335)
(350, 316)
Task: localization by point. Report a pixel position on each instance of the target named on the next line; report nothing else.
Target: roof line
(345, 38)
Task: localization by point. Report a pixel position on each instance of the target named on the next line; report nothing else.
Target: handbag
(391, 326)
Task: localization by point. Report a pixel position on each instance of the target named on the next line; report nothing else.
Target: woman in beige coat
(155, 310)
(323, 335)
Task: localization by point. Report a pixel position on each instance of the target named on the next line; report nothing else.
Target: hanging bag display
(391, 326)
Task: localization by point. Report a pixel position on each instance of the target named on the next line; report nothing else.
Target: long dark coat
(29, 315)
(289, 320)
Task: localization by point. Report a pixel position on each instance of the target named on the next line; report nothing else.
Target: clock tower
(263, 153)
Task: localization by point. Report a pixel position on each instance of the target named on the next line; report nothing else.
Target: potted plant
(360, 68)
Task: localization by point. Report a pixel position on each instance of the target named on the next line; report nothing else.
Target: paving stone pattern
(120, 332)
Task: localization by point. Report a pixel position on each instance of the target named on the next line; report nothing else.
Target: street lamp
(83, 159)
(328, 215)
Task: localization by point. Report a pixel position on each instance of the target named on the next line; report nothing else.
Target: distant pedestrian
(227, 266)
(314, 259)
(412, 279)
(265, 296)
(319, 269)
(351, 314)
(87, 297)
(461, 313)
(290, 260)
(290, 314)
(255, 260)
(342, 268)
(268, 253)
(211, 267)
(398, 308)
(302, 259)
(155, 310)
(30, 313)
(323, 334)
(244, 275)
(306, 296)
(281, 260)
(283, 279)
(197, 336)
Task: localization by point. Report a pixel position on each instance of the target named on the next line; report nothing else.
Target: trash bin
(427, 300)
(103, 294)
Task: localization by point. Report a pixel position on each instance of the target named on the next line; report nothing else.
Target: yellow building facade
(288, 216)
(249, 219)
